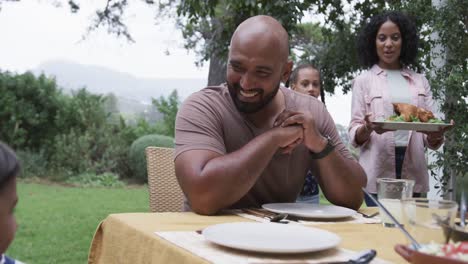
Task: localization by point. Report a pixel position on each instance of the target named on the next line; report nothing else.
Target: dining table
(153, 238)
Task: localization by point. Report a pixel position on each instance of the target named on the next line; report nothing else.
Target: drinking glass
(424, 218)
(390, 192)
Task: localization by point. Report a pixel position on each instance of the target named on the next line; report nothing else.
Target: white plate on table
(308, 210)
(271, 237)
(417, 126)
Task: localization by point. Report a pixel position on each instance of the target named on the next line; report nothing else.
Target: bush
(72, 153)
(33, 164)
(97, 150)
(28, 108)
(137, 154)
(93, 180)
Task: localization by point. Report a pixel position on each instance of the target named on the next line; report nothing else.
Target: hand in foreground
(313, 140)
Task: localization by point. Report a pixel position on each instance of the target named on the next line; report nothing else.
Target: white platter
(308, 210)
(271, 237)
(417, 126)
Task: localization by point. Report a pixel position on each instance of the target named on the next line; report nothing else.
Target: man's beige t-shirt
(209, 120)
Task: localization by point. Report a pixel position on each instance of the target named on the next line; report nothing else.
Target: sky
(37, 31)
(33, 32)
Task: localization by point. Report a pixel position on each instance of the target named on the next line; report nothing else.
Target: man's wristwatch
(328, 148)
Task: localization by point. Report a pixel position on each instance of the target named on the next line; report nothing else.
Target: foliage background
(61, 136)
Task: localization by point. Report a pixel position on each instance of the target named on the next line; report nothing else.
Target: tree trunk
(217, 72)
(449, 144)
(439, 54)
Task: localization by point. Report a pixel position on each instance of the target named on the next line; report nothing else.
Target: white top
(400, 93)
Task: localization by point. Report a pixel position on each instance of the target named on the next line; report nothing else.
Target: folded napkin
(261, 215)
(197, 245)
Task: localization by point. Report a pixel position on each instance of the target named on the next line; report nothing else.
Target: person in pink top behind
(389, 45)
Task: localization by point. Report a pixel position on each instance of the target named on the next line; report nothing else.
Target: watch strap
(328, 148)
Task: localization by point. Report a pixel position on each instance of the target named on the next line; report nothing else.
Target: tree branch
(111, 18)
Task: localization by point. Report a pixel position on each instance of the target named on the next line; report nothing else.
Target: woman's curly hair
(366, 41)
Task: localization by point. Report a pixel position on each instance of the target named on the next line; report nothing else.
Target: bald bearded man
(251, 141)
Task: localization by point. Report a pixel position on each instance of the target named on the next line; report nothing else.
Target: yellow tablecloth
(130, 238)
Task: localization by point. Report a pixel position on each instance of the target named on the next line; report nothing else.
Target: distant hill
(101, 80)
(134, 94)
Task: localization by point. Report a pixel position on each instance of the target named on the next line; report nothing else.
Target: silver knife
(362, 257)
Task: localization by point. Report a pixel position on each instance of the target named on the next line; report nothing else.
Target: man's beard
(251, 107)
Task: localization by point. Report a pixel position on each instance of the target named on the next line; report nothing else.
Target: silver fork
(273, 217)
(368, 216)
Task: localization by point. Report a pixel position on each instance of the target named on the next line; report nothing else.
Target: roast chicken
(408, 110)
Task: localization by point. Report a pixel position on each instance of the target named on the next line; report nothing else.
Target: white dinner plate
(271, 237)
(417, 126)
(309, 210)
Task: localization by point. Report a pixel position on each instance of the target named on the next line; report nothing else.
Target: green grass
(57, 223)
(323, 200)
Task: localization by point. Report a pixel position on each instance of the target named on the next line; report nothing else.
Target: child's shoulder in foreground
(6, 260)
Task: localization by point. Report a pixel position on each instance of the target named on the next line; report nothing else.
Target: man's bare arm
(212, 181)
(341, 180)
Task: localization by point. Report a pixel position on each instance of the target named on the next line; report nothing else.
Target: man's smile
(248, 94)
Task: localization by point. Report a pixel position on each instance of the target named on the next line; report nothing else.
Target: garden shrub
(33, 164)
(96, 180)
(137, 156)
(72, 153)
(28, 108)
(97, 150)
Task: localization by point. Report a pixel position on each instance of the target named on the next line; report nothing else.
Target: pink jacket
(377, 154)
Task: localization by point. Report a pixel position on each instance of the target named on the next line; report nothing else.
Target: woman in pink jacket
(388, 45)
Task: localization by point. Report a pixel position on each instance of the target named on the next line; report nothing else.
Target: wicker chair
(165, 194)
